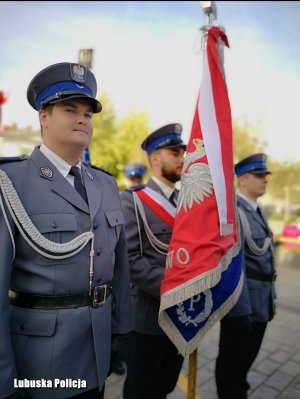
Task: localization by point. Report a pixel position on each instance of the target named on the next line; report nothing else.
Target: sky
(147, 58)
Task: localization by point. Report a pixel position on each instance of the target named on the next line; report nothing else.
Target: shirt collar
(252, 203)
(62, 166)
(168, 191)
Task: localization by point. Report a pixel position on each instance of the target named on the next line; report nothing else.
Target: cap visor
(172, 145)
(96, 105)
(260, 172)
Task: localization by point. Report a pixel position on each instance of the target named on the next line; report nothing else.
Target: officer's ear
(154, 158)
(43, 118)
(44, 113)
(242, 180)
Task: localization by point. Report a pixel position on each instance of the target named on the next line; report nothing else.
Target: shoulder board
(13, 159)
(96, 167)
(135, 188)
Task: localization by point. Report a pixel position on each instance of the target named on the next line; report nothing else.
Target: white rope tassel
(8, 228)
(158, 245)
(91, 271)
(30, 233)
(251, 244)
(138, 223)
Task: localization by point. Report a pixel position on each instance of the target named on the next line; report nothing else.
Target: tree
(245, 140)
(104, 136)
(284, 183)
(117, 142)
(131, 132)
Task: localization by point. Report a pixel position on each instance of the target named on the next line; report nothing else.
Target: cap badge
(46, 171)
(177, 128)
(78, 73)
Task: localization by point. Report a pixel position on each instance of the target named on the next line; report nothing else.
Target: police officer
(63, 252)
(243, 329)
(153, 363)
(134, 173)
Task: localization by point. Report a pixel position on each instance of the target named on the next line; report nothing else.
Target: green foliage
(245, 140)
(105, 133)
(276, 216)
(117, 142)
(284, 183)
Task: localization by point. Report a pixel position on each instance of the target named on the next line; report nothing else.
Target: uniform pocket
(33, 338)
(56, 227)
(54, 223)
(258, 234)
(115, 220)
(32, 322)
(162, 231)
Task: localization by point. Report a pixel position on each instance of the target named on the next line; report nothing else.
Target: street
(276, 371)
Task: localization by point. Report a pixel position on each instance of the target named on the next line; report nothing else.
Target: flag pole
(192, 376)
(210, 10)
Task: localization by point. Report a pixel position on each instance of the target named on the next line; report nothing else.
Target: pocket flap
(51, 222)
(114, 218)
(258, 234)
(160, 228)
(32, 322)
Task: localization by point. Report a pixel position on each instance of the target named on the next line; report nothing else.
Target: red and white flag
(205, 239)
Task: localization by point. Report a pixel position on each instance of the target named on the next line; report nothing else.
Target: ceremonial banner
(203, 275)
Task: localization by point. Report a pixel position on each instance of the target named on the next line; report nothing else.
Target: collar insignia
(47, 172)
(89, 175)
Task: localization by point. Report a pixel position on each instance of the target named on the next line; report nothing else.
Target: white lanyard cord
(158, 245)
(30, 233)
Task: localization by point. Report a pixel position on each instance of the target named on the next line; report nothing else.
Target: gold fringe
(194, 287)
(198, 284)
(186, 348)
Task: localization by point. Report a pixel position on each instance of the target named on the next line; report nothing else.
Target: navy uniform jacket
(257, 296)
(147, 269)
(66, 343)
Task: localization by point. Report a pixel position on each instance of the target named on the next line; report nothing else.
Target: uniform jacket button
(98, 252)
(95, 226)
(23, 327)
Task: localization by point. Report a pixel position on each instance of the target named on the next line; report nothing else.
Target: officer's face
(68, 124)
(171, 163)
(253, 185)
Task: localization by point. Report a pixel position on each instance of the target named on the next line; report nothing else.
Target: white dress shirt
(62, 166)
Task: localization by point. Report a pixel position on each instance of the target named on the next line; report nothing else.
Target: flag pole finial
(209, 8)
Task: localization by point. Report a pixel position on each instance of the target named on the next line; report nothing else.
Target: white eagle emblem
(78, 73)
(196, 182)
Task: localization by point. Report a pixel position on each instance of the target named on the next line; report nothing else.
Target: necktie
(173, 197)
(258, 210)
(74, 171)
